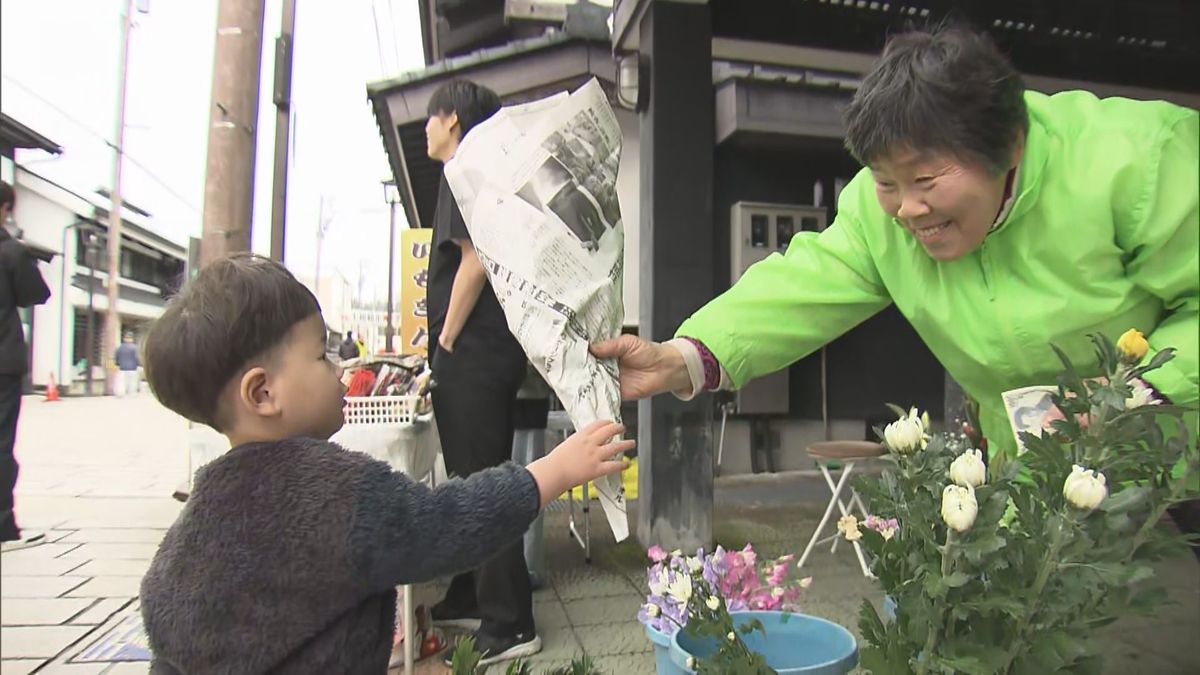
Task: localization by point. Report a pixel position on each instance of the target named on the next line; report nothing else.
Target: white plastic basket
(381, 410)
(390, 429)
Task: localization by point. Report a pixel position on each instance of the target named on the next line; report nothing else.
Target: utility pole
(112, 318)
(324, 218)
(283, 116)
(229, 176)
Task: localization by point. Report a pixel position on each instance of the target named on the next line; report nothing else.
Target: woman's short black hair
(472, 103)
(946, 89)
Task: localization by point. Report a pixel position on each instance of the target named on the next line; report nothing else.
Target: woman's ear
(1018, 149)
(255, 395)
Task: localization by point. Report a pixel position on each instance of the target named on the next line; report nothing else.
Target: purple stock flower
(735, 576)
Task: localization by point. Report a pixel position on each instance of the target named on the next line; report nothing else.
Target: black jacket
(287, 556)
(21, 285)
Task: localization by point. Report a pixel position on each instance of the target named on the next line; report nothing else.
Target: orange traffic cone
(51, 390)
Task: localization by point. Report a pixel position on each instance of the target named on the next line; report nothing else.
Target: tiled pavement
(95, 475)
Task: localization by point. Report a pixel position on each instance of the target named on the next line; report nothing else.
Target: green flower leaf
(1126, 500)
(957, 579)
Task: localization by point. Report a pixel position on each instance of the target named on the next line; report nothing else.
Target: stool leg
(587, 525)
(828, 511)
(410, 631)
(570, 509)
(845, 511)
(855, 499)
(862, 560)
(846, 471)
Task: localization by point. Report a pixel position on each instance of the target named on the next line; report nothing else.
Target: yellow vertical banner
(414, 279)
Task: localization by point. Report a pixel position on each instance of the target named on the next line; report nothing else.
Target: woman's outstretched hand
(646, 368)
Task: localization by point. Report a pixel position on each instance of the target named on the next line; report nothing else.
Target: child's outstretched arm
(405, 532)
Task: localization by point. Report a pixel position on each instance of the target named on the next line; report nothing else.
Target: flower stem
(1039, 584)
(935, 632)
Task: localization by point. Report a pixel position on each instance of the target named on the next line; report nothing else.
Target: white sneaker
(27, 540)
(495, 650)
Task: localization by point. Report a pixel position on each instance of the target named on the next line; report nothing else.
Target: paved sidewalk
(96, 476)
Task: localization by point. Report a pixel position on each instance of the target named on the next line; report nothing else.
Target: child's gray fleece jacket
(287, 556)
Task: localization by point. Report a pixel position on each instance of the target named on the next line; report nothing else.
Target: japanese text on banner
(414, 279)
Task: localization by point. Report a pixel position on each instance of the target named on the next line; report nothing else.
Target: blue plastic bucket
(662, 653)
(793, 643)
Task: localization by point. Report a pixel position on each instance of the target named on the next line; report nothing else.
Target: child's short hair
(237, 309)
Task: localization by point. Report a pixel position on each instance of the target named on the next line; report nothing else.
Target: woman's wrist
(687, 373)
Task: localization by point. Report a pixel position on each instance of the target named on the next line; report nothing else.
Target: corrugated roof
(458, 63)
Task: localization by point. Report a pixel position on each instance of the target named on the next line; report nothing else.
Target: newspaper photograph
(1027, 410)
(537, 187)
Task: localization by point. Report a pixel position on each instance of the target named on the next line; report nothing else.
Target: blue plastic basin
(793, 643)
(662, 653)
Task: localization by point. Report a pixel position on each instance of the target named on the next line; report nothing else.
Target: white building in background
(74, 225)
(336, 295)
(368, 321)
(66, 226)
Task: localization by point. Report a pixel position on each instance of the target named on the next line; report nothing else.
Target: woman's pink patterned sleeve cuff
(712, 368)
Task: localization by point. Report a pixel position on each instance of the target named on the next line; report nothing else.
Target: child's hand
(586, 455)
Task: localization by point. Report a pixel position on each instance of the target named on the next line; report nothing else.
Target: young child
(288, 552)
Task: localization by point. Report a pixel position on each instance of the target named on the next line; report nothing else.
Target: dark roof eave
(595, 59)
(461, 64)
(391, 147)
(20, 136)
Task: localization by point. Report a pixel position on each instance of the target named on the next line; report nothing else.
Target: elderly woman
(997, 220)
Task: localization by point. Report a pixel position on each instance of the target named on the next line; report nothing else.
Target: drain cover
(125, 641)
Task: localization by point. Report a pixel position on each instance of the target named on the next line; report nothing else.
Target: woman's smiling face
(948, 204)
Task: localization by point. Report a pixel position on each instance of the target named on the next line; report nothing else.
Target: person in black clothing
(21, 285)
(349, 348)
(478, 366)
(287, 555)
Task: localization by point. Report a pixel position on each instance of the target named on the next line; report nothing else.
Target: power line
(395, 42)
(129, 158)
(378, 39)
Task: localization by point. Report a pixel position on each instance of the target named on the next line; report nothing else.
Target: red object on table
(362, 383)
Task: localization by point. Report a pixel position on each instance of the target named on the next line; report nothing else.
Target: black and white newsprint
(537, 187)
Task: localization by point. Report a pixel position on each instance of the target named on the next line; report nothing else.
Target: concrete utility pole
(112, 318)
(229, 178)
(282, 98)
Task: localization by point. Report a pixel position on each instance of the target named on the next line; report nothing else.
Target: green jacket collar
(1029, 175)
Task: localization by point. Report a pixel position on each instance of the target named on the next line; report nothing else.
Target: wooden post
(229, 177)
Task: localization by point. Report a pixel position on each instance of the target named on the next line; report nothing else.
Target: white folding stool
(846, 453)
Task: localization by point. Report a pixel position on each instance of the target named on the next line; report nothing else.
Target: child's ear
(256, 395)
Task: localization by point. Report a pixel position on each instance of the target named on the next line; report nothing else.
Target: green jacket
(1103, 236)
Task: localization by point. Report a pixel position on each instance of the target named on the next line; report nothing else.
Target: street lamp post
(392, 195)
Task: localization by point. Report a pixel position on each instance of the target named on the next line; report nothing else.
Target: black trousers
(10, 410)
(474, 403)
